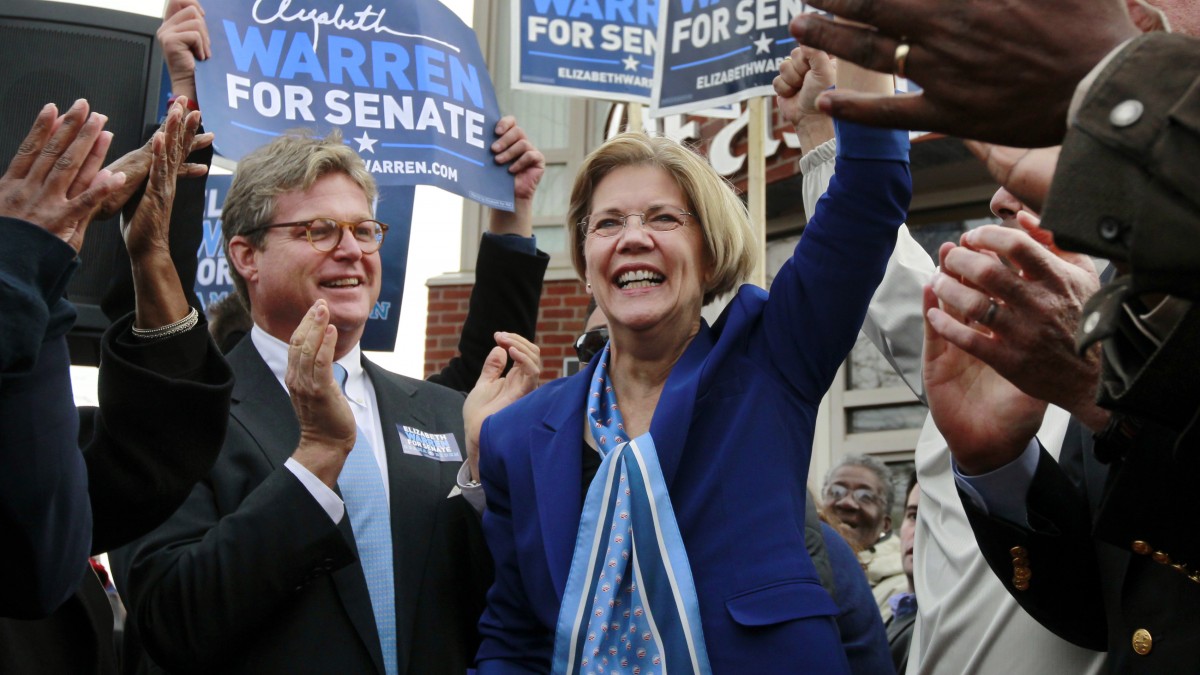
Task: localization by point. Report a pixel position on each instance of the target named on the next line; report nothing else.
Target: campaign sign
(407, 85)
(593, 48)
(715, 52)
(213, 274)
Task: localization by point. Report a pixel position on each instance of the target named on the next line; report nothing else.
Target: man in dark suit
(267, 567)
(1097, 546)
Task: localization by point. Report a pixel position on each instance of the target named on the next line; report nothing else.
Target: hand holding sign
(526, 164)
(184, 39)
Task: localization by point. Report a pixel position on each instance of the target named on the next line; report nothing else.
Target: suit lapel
(414, 484)
(262, 406)
(556, 457)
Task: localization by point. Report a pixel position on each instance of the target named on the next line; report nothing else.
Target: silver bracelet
(183, 325)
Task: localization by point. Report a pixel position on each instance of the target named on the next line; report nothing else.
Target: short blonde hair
(290, 163)
(720, 213)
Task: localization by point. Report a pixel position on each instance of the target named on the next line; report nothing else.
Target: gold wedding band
(900, 57)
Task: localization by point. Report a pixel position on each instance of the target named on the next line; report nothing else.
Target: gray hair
(290, 163)
(881, 471)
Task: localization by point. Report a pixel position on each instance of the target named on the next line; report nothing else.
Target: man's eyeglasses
(325, 234)
(611, 223)
(590, 343)
(862, 496)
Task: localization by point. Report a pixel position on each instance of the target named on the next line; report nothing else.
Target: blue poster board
(406, 84)
(593, 48)
(213, 274)
(715, 52)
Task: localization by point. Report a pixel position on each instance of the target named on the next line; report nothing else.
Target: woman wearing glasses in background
(645, 515)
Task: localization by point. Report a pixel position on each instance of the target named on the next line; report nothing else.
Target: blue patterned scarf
(630, 603)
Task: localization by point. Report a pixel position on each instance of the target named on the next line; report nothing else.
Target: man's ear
(887, 525)
(244, 258)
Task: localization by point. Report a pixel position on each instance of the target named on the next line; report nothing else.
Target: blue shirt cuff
(1001, 493)
(855, 141)
(515, 242)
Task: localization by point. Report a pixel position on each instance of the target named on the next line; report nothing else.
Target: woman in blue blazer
(646, 514)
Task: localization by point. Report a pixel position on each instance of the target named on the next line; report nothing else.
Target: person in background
(858, 492)
(228, 321)
(904, 604)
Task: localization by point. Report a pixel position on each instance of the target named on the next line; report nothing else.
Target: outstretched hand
(1029, 338)
(495, 391)
(148, 231)
(986, 420)
(1002, 72)
(55, 180)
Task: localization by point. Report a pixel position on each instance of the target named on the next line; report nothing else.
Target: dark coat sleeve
(508, 287)
(858, 619)
(45, 518)
(164, 408)
(1062, 591)
(1126, 187)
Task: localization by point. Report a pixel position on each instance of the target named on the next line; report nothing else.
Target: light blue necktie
(361, 484)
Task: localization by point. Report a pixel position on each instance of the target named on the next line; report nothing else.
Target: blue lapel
(556, 456)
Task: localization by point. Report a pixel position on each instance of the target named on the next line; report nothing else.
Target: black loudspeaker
(57, 52)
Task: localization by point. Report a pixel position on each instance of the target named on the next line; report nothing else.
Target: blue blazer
(733, 429)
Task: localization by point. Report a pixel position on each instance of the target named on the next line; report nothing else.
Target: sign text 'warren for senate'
(409, 89)
(594, 48)
(716, 52)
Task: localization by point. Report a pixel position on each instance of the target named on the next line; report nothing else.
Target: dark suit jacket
(899, 637)
(1100, 543)
(251, 575)
(164, 407)
(733, 430)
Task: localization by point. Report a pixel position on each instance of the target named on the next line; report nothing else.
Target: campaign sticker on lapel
(440, 447)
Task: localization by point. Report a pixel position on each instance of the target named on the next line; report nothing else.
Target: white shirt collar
(275, 353)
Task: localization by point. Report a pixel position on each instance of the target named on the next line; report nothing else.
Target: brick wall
(560, 319)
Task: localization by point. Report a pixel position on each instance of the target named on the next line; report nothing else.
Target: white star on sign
(762, 44)
(630, 63)
(366, 143)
